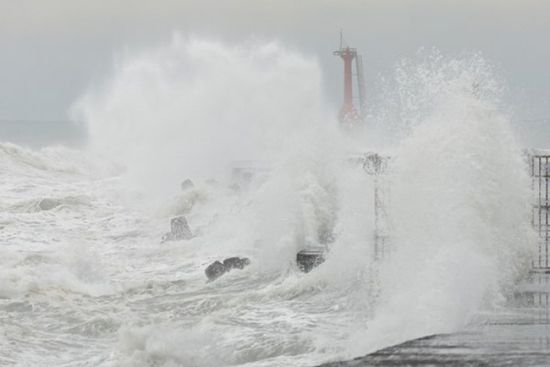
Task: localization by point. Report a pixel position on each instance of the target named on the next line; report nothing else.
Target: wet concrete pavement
(517, 336)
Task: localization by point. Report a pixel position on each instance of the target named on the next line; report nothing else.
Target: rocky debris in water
(179, 230)
(48, 204)
(236, 262)
(187, 184)
(217, 269)
(310, 258)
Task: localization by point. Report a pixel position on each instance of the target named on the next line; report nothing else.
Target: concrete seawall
(516, 336)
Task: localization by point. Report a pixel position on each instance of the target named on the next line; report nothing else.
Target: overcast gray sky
(51, 50)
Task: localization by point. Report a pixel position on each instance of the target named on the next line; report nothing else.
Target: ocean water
(86, 281)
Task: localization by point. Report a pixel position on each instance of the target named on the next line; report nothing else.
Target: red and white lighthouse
(349, 114)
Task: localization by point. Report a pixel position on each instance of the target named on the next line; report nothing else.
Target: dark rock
(310, 258)
(179, 230)
(236, 262)
(187, 184)
(215, 270)
(48, 204)
(180, 227)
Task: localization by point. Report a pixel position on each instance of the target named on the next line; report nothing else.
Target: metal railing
(540, 175)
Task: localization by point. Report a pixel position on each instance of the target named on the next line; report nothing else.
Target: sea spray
(193, 107)
(197, 108)
(459, 202)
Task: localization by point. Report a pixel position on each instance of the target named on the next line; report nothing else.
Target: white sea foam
(194, 106)
(88, 279)
(460, 203)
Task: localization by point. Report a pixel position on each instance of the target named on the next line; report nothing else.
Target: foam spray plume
(459, 200)
(458, 209)
(194, 107)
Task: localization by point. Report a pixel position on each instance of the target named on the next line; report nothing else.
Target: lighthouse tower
(349, 114)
